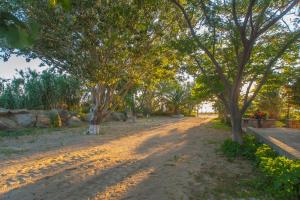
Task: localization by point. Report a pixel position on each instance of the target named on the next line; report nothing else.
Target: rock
(7, 112)
(116, 116)
(4, 112)
(19, 111)
(43, 119)
(74, 122)
(7, 124)
(25, 120)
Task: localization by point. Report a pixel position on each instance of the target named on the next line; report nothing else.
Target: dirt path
(177, 160)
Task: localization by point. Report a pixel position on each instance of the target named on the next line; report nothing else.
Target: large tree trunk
(97, 111)
(236, 124)
(95, 121)
(94, 129)
(103, 96)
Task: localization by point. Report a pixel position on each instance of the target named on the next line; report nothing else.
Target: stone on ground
(25, 120)
(74, 122)
(43, 119)
(7, 124)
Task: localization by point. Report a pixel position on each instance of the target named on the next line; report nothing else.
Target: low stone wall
(22, 118)
(293, 123)
(266, 123)
(17, 119)
(282, 140)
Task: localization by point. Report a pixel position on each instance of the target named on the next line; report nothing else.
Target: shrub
(82, 116)
(249, 147)
(231, 149)
(283, 175)
(279, 124)
(280, 175)
(264, 151)
(55, 119)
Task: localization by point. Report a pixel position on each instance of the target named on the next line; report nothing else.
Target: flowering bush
(259, 115)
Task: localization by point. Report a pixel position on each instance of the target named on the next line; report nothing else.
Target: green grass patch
(218, 124)
(278, 177)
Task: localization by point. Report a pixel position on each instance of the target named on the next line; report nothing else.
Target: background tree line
(50, 89)
(46, 90)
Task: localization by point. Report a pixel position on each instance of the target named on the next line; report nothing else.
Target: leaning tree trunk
(94, 127)
(96, 112)
(104, 100)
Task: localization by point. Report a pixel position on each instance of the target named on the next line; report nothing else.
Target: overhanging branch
(276, 19)
(201, 45)
(269, 69)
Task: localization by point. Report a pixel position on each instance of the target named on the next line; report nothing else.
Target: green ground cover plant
(218, 124)
(279, 176)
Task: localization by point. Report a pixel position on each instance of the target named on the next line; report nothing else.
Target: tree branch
(249, 13)
(234, 15)
(268, 69)
(288, 27)
(244, 56)
(248, 89)
(200, 66)
(276, 19)
(260, 17)
(208, 53)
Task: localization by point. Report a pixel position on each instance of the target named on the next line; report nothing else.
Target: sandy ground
(153, 159)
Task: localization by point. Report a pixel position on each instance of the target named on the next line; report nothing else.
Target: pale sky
(8, 69)
(206, 107)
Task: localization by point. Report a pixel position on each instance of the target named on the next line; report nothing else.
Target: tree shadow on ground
(85, 144)
(165, 171)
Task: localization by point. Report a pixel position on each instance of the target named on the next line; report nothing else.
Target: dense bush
(45, 90)
(55, 119)
(231, 149)
(280, 176)
(264, 151)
